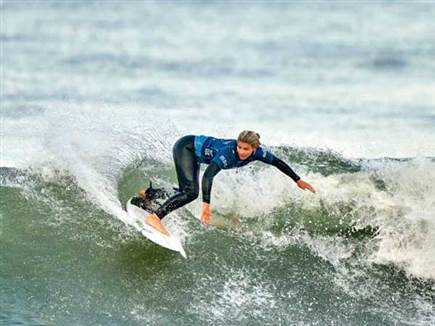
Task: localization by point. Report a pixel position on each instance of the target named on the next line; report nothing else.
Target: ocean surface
(95, 93)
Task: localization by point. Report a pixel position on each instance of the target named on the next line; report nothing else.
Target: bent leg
(187, 168)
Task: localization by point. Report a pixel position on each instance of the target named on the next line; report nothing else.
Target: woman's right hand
(305, 185)
(206, 213)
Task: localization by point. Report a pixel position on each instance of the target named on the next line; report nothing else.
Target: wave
(371, 202)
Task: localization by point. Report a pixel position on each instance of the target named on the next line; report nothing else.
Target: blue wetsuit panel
(224, 152)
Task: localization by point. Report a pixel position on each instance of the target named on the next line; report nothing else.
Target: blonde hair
(250, 137)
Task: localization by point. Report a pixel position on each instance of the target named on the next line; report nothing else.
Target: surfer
(220, 154)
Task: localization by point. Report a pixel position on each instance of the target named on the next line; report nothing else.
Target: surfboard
(137, 216)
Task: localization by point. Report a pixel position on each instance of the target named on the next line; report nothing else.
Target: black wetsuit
(190, 151)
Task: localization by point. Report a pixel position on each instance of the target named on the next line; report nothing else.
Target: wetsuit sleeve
(284, 168)
(267, 157)
(207, 181)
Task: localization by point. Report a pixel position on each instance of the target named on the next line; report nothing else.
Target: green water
(64, 261)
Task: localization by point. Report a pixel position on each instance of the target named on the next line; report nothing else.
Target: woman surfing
(220, 154)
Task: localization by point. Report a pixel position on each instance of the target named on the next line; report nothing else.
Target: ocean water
(95, 93)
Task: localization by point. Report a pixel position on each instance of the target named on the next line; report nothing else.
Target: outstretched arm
(284, 168)
(207, 182)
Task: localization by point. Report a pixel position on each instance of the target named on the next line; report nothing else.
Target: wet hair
(250, 137)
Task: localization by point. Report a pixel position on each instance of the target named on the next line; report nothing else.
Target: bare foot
(142, 194)
(154, 221)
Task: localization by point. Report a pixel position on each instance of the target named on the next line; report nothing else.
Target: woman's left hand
(206, 213)
(305, 185)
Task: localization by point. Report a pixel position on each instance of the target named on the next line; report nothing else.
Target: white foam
(96, 142)
(408, 238)
(403, 214)
(239, 297)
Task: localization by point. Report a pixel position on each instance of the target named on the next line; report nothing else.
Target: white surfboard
(138, 215)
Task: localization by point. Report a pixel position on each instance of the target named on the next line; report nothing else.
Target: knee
(192, 193)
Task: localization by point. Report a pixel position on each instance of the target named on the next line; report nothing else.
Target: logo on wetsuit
(208, 152)
(223, 160)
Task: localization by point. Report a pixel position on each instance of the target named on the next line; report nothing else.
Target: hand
(142, 194)
(206, 213)
(305, 185)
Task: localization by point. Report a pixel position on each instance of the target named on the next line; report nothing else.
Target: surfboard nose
(183, 253)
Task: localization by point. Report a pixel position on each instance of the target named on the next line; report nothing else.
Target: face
(244, 150)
